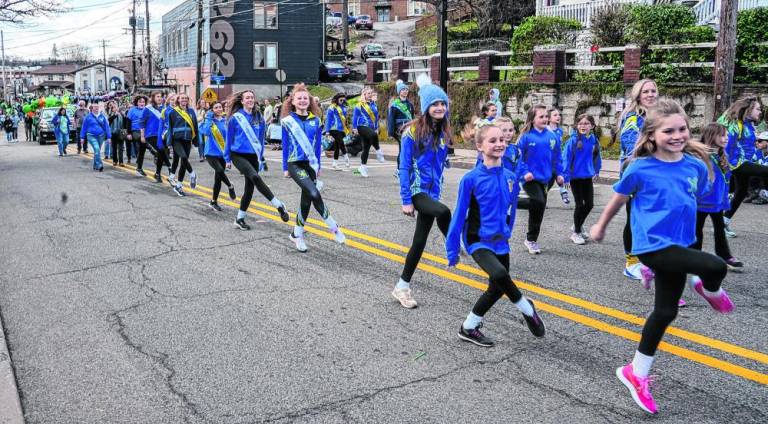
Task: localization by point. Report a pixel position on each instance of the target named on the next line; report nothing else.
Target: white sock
(714, 294)
(331, 223)
(472, 321)
(240, 214)
(298, 232)
(402, 285)
(641, 364)
(524, 306)
(276, 202)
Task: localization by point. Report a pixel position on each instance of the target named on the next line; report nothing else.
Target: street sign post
(210, 96)
(280, 76)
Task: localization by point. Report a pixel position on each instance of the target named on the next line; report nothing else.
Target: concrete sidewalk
(10, 406)
(466, 159)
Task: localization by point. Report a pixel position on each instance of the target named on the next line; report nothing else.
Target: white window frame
(266, 55)
(412, 7)
(261, 14)
(353, 7)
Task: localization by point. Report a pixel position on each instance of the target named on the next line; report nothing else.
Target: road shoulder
(10, 406)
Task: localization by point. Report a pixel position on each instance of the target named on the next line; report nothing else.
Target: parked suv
(364, 22)
(371, 50)
(44, 130)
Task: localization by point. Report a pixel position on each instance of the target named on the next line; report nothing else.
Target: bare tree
(491, 15)
(16, 11)
(75, 53)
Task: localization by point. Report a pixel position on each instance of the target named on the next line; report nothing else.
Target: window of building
(264, 15)
(416, 8)
(353, 8)
(101, 85)
(264, 55)
(61, 77)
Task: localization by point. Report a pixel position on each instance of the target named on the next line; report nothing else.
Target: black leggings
(428, 210)
(721, 242)
(117, 149)
(741, 176)
(537, 203)
(671, 265)
(217, 163)
(248, 165)
(303, 174)
(370, 138)
(627, 235)
(338, 143)
(500, 283)
(181, 150)
(141, 147)
(161, 159)
(583, 196)
(398, 137)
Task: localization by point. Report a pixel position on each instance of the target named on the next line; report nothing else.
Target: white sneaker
(405, 297)
(193, 180)
(728, 232)
(339, 236)
(363, 170)
(577, 238)
(634, 272)
(299, 241)
(335, 165)
(172, 180)
(346, 160)
(533, 247)
(763, 194)
(380, 156)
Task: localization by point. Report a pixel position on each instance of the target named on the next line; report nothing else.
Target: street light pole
(444, 45)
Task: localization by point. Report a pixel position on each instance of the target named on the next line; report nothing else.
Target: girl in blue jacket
(539, 162)
(215, 129)
(715, 136)
(482, 221)
(244, 147)
(336, 127)
(581, 165)
(182, 133)
(154, 126)
(664, 179)
(553, 123)
(302, 148)
(61, 126)
(423, 152)
(365, 123)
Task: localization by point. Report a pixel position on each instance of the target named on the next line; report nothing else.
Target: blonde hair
(646, 146)
(482, 131)
(288, 107)
(634, 99)
(235, 103)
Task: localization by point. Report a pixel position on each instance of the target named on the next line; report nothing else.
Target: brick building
(383, 10)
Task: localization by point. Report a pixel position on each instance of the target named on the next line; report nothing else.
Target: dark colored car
(364, 22)
(372, 50)
(44, 129)
(333, 71)
(350, 19)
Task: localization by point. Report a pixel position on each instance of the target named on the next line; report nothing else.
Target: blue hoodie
(237, 141)
(584, 162)
(540, 155)
(360, 117)
(716, 200)
(421, 170)
(212, 147)
(153, 125)
(57, 120)
(631, 125)
(95, 125)
(334, 122)
(485, 212)
(292, 151)
(138, 117)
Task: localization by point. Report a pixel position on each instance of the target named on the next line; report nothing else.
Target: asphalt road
(128, 304)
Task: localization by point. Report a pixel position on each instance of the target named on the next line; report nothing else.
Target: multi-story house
(54, 79)
(383, 10)
(97, 78)
(178, 46)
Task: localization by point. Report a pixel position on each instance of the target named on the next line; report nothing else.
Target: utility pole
(133, 46)
(344, 22)
(725, 57)
(149, 49)
(199, 61)
(2, 46)
(106, 72)
(444, 45)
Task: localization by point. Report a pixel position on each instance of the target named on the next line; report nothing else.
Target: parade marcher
(154, 126)
(117, 126)
(215, 128)
(400, 113)
(80, 113)
(423, 154)
(269, 110)
(302, 149)
(138, 117)
(553, 124)
(243, 148)
(482, 221)
(16, 119)
(336, 127)
(182, 134)
(96, 131)
(275, 134)
(581, 165)
(201, 112)
(487, 114)
(28, 124)
(61, 127)
(365, 123)
(663, 179)
(8, 127)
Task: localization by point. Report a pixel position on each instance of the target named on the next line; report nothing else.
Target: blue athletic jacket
(178, 129)
(510, 160)
(334, 122)
(153, 125)
(485, 212)
(558, 132)
(95, 125)
(360, 117)
(421, 170)
(57, 120)
(630, 126)
(212, 147)
(581, 163)
(716, 200)
(540, 155)
(138, 118)
(292, 151)
(237, 141)
(396, 118)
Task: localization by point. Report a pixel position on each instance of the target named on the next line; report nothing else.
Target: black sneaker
(283, 214)
(240, 223)
(141, 172)
(179, 191)
(232, 194)
(735, 265)
(215, 206)
(101, 169)
(475, 336)
(158, 178)
(266, 167)
(535, 324)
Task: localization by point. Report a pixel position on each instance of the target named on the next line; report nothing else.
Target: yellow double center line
(269, 212)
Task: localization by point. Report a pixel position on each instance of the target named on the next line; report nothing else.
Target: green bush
(658, 24)
(541, 30)
(751, 31)
(609, 23)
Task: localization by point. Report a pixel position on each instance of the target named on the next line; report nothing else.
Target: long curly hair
(288, 107)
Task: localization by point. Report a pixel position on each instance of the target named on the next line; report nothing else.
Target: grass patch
(321, 91)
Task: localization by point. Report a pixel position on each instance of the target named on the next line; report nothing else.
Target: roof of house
(67, 68)
(97, 64)
(52, 84)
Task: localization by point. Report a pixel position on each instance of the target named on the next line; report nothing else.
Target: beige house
(53, 79)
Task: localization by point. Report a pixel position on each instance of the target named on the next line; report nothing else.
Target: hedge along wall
(597, 99)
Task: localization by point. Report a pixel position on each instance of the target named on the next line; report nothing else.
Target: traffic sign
(218, 79)
(209, 95)
(280, 75)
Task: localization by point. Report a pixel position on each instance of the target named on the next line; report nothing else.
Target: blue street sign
(218, 79)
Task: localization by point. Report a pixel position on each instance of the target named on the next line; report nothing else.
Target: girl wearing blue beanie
(400, 113)
(365, 122)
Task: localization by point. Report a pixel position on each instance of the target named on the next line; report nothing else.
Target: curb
(10, 406)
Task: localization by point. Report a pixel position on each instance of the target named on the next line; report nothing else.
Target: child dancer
(336, 127)
(488, 114)
(400, 113)
(664, 181)
(581, 165)
(302, 145)
(422, 161)
(483, 221)
(365, 122)
(244, 146)
(153, 131)
(215, 129)
(715, 136)
(553, 124)
(537, 165)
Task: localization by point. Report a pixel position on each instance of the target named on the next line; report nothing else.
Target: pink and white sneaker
(639, 388)
(681, 303)
(722, 303)
(646, 276)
